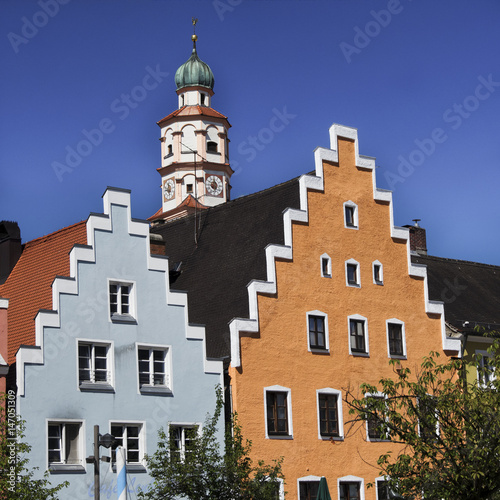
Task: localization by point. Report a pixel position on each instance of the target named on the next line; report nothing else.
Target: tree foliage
(205, 472)
(16, 477)
(449, 428)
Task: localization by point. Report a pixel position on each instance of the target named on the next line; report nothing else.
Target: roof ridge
(468, 262)
(45, 237)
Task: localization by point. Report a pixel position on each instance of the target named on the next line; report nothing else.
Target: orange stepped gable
(277, 376)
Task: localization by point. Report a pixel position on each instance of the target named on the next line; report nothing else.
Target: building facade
(116, 350)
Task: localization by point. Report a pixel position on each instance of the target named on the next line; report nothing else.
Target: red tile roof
(188, 203)
(193, 111)
(28, 287)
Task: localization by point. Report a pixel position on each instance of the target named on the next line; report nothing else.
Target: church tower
(195, 171)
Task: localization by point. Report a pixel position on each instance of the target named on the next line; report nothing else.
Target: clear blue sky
(420, 80)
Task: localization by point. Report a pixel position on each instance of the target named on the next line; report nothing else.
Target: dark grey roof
(229, 253)
(470, 291)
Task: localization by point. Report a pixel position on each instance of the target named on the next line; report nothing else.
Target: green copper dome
(194, 73)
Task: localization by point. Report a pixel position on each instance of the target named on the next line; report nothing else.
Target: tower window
(169, 149)
(203, 99)
(211, 147)
(189, 188)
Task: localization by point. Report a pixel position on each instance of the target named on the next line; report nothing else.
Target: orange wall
(279, 354)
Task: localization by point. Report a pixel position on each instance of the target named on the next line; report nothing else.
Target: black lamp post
(107, 440)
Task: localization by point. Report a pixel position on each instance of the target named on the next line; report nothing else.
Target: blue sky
(420, 80)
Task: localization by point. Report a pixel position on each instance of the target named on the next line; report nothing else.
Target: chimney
(10, 248)
(418, 240)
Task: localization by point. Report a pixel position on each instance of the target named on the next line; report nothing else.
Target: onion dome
(194, 72)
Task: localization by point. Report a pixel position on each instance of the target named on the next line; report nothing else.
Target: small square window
(154, 369)
(95, 366)
(121, 300)
(317, 332)
(130, 437)
(181, 441)
(308, 490)
(349, 491)
(352, 274)
(357, 336)
(328, 414)
(64, 444)
(277, 413)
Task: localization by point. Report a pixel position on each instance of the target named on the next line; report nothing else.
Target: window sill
(398, 356)
(132, 468)
(123, 318)
(319, 350)
(332, 438)
(354, 285)
(96, 387)
(351, 227)
(279, 436)
(379, 283)
(360, 354)
(66, 469)
(156, 389)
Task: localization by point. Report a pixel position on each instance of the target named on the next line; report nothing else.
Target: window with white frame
(308, 487)
(130, 436)
(181, 440)
(396, 338)
(351, 488)
(485, 372)
(121, 301)
(352, 274)
(378, 273)
(95, 364)
(376, 430)
(326, 266)
(278, 406)
(428, 422)
(330, 420)
(350, 215)
(154, 368)
(65, 444)
(317, 331)
(358, 335)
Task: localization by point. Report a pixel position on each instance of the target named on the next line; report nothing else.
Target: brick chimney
(10, 248)
(418, 240)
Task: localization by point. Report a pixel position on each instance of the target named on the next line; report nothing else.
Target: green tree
(205, 473)
(449, 428)
(16, 477)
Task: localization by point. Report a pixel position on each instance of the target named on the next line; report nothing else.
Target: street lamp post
(107, 440)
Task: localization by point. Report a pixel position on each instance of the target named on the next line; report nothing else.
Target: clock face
(213, 185)
(168, 189)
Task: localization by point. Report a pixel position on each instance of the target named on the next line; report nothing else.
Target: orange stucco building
(341, 298)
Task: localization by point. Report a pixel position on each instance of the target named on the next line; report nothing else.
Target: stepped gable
(230, 252)
(29, 286)
(470, 291)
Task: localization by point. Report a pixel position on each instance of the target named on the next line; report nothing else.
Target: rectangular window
(357, 335)
(181, 441)
(352, 274)
(94, 365)
(377, 273)
(277, 413)
(317, 338)
(349, 491)
(395, 332)
(485, 370)
(349, 216)
(128, 436)
(120, 299)
(328, 414)
(325, 267)
(308, 490)
(64, 443)
(189, 188)
(428, 421)
(153, 367)
(375, 422)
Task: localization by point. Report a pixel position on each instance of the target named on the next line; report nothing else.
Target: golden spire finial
(194, 20)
